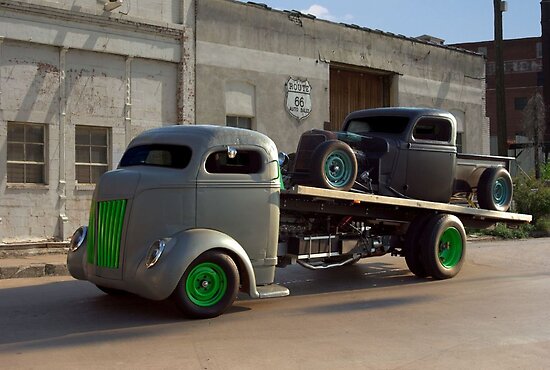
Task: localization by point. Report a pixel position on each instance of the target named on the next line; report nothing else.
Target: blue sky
(452, 20)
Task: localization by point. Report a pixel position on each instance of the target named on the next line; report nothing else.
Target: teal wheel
(443, 246)
(495, 189)
(333, 166)
(208, 286)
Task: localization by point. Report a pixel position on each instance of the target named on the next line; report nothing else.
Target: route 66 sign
(298, 98)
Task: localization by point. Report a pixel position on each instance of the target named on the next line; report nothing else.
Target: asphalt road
(493, 315)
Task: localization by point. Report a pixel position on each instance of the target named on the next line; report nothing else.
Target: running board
(272, 291)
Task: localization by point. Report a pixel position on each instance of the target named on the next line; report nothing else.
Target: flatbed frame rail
(305, 199)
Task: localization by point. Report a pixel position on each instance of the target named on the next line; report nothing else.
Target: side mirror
(282, 159)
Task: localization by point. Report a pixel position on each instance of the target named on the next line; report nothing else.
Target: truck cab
(180, 193)
(415, 137)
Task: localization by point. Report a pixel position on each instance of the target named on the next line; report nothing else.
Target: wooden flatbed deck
(305, 199)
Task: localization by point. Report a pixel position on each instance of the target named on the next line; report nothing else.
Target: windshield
(378, 124)
(160, 155)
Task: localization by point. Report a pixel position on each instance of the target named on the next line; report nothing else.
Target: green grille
(91, 235)
(106, 234)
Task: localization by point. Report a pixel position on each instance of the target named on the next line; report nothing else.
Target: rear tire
(443, 246)
(333, 166)
(495, 189)
(413, 249)
(208, 287)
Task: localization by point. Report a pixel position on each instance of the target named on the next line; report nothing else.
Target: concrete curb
(33, 271)
(33, 260)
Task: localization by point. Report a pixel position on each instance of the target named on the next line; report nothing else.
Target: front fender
(76, 261)
(159, 281)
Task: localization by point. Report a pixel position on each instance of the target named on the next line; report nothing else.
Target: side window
(432, 129)
(157, 155)
(245, 162)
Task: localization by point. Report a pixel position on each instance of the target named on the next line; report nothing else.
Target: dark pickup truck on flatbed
(401, 152)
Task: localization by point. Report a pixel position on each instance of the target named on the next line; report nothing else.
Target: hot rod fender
(159, 281)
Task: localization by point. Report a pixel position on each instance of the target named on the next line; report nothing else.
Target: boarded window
(26, 153)
(91, 153)
(245, 162)
(240, 107)
(432, 129)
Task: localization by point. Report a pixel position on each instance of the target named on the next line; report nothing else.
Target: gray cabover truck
(197, 213)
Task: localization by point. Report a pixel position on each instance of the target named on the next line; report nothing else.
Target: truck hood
(117, 184)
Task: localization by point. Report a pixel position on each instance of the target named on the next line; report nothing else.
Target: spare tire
(333, 166)
(495, 189)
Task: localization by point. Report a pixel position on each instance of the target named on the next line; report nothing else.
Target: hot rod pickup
(402, 152)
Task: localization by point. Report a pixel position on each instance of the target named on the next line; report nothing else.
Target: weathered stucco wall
(160, 11)
(73, 65)
(151, 62)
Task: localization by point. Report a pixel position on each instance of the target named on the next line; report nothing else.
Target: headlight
(78, 238)
(154, 253)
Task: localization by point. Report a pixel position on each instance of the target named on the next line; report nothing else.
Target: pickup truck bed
(470, 167)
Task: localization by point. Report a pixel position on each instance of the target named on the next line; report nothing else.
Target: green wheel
(495, 189)
(333, 166)
(443, 246)
(208, 286)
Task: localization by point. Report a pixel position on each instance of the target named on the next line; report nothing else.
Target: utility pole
(502, 132)
(545, 23)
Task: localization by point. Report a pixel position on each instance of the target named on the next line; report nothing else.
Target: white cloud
(323, 13)
(319, 11)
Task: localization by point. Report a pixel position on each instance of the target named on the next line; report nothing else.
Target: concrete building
(77, 82)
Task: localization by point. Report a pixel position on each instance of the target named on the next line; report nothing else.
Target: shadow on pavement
(72, 313)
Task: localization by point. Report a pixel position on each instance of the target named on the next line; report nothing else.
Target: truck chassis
(322, 228)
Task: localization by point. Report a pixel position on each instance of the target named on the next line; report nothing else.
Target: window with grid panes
(91, 153)
(240, 122)
(26, 153)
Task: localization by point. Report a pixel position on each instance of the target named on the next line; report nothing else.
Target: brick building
(523, 78)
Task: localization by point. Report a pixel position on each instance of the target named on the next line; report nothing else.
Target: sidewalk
(33, 260)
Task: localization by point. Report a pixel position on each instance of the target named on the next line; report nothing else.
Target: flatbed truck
(197, 213)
